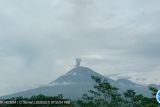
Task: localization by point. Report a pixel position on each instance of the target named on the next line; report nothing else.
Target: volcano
(77, 82)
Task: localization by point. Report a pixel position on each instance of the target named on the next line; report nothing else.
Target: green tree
(103, 95)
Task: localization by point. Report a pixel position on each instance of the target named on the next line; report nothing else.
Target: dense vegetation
(106, 95)
(103, 95)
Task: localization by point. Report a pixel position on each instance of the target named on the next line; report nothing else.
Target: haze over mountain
(77, 82)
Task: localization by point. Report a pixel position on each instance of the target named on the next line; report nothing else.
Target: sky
(40, 39)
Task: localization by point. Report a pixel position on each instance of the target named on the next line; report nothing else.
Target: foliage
(103, 95)
(106, 95)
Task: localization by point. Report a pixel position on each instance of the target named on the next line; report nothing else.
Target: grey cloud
(42, 37)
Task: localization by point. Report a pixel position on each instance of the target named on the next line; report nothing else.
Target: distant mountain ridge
(77, 82)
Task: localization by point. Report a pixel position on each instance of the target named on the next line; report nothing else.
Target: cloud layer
(39, 39)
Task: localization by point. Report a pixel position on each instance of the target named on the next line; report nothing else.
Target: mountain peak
(78, 81)
(76, 75)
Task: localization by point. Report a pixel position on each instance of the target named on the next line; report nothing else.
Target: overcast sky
(39, 39)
